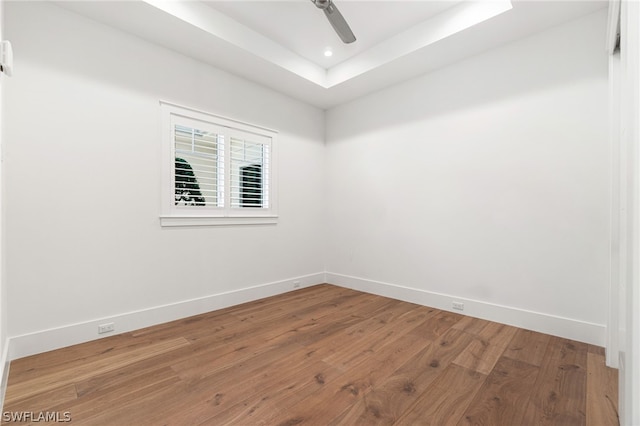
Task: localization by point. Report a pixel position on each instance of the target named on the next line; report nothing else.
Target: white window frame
(172, 215)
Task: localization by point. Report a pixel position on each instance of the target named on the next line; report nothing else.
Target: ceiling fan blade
(338, 23)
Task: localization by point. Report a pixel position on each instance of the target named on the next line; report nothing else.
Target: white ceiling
(303, 28)
(281, 44)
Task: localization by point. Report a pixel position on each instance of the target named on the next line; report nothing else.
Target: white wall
(83, 150)
(4, 346)
(486, 181)
(629, 212)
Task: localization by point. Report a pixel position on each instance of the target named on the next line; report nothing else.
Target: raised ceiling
(281, 44)
(303, 28)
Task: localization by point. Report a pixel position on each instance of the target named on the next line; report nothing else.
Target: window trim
(172, 215)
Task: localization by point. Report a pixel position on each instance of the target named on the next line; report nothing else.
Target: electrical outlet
(458, 306)
(296, 284)
(106, 328)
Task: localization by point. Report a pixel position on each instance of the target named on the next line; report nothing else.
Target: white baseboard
(4, 371)
(544, 323)
(47, 340)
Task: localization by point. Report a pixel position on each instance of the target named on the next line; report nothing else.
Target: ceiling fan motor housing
(322, 4)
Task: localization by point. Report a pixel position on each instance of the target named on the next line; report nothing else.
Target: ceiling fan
(336, 19)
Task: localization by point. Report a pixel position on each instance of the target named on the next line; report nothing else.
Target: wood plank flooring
(323, 355)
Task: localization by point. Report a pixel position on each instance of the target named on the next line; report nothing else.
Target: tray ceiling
(281, 44)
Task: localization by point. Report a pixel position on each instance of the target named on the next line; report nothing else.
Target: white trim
(629, 369)
(173, 220)
(5, 363)
(581, 331)
(617, 231)
(613, 25)
(207, 116)
(171, 215)
(47, 340)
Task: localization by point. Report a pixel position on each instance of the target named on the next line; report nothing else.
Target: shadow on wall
(560, 56)
(130, 64)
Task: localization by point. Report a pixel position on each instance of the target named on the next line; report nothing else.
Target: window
(216, 171)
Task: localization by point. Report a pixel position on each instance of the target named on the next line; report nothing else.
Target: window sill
(174, 221)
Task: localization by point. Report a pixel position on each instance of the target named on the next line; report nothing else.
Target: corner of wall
(4, 372)
(56, 338)
(543, 323)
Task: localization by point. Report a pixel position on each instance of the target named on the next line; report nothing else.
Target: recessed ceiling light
(328, 52)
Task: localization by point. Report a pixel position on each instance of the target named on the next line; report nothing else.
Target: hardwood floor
(319, 356)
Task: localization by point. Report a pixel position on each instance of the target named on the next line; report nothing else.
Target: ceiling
(304, 29)
(281, 44)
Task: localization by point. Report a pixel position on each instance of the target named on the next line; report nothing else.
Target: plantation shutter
(249, 171)
(198, 171)
(216, 171)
